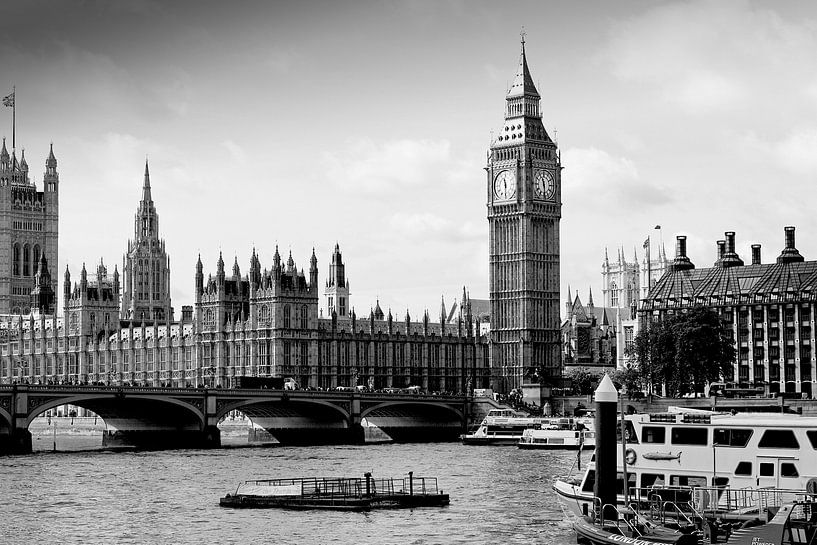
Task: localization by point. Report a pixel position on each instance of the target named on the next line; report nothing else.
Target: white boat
(560, 433)
(741, 451)
(502, 427)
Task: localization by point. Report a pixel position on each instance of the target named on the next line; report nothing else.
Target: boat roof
(770, 420)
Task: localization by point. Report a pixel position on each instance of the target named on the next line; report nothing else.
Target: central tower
(524, 208)
(146, 266)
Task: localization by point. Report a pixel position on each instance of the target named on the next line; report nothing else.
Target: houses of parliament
(120, 327)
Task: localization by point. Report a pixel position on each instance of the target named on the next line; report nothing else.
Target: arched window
(16, 260)
(263, 314)
(304, 317)
(613, 294)
(287, 322)
(26, 260)
(36, 263)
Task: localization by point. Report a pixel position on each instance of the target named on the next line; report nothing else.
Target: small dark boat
(627, 527)
(344, 494)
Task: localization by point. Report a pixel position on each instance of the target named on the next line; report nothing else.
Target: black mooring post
(411, 483)
(368, 476)
(606, 407)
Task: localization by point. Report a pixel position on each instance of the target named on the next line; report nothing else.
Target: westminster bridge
(160, 418)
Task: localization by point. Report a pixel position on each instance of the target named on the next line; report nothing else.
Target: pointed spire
(236, 269)
(569, 298)
(4, 153)
(590, 297)
(523, 82)
(146, 196)
(199, 265)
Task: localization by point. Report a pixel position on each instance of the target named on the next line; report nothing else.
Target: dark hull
(393, 501)
(544, 446)
(498, 441)
(588, 533)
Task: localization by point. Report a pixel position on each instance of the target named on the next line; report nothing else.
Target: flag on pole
(8, 100)
(647, 243)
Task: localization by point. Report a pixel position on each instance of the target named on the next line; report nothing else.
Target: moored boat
(560, 433)
(502, 427)
(740, 451)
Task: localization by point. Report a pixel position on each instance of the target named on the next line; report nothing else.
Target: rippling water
(498, 495)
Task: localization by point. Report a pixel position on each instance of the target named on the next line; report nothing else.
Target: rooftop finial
(146, 196)
(522, 34)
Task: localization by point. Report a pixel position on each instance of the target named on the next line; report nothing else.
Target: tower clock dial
(543, 186)
(505, 185)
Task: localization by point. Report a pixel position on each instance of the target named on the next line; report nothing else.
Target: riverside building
(768, 309)
(263, 324)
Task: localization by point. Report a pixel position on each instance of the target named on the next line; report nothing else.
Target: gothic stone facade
(524, 208)
(263, 324)
(28, 228)
(588, 336)
(624, 284)
(768, 308)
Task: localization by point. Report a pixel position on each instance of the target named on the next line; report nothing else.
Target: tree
(584, 381)
(628, 377)
(683, 352)
(704, 352)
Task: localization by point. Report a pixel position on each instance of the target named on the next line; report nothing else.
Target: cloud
(432, 227)
(714, 57)
(236, 152)
(605, 184)
(796, 152)
(394, 166)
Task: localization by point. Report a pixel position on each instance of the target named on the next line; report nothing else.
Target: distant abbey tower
(146, 266)
(29, 229)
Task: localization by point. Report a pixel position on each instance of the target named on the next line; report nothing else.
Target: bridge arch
(243, 404)
(424, 405)
(111, 407)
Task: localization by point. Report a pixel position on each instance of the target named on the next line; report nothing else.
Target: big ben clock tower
(524, 208)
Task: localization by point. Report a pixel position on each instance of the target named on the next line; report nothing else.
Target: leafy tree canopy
(683, 352)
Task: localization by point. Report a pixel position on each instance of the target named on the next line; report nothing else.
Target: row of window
(24, 259)
(725, 437)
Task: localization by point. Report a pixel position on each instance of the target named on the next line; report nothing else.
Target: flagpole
(13, 117)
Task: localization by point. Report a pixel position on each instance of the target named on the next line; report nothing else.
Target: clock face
(505, 185)
(543, 186)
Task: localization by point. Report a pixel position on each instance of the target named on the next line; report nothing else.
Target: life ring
(630, 456)
(811, 486)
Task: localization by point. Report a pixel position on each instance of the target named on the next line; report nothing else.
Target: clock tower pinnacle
(524, 209)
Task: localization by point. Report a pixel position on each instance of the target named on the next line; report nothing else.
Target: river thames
(498, 495)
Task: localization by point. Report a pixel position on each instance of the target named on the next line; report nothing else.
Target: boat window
(788, 469)
(766, 469)
(731, 437)
(812, 436)
(686, 480)
(589, 482)
(778, 439)
(651, 479)
(744, 468)
(689, 436)
(629, 433)
(654, 434)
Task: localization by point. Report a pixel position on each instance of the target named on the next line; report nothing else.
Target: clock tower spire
(524, 209)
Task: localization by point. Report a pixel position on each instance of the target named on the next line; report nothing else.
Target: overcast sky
(367, 124)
